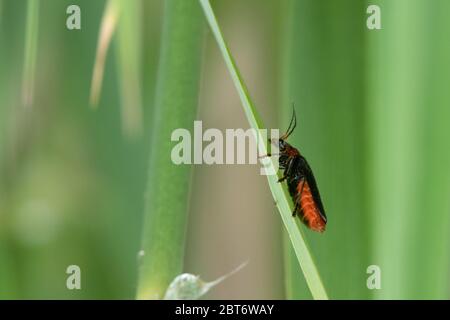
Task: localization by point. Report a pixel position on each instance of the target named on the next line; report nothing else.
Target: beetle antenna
(292, 124)
(294, 116)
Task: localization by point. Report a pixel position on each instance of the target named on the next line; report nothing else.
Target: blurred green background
(373, 109)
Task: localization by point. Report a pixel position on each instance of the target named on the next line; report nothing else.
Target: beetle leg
(294, 213)
(268, 155)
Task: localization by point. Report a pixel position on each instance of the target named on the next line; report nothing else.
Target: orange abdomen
(309, 210)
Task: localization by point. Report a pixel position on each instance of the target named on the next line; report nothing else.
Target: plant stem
(129, 65)
(107, 29)
(31, 43)
(407, 124)
(168, 184)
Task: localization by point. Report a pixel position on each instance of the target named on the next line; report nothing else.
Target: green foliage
(373, 118)
(130, 66)
(31, 44)
(407, 135)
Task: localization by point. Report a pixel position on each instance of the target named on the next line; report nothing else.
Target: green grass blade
(408, 132)
(168, 184)
(31, 44)
(129, 66)
(303, 254)
(107, 29)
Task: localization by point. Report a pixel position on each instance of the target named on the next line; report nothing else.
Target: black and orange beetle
(301, 182)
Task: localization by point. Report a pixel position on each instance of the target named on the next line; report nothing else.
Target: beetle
(301, 183)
